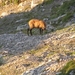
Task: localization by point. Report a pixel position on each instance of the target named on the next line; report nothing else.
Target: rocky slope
(56, 15)
(37, 55)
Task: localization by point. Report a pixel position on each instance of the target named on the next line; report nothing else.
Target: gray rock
(72, 72)
(19, 42)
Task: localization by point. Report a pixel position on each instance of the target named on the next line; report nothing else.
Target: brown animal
(36, 23)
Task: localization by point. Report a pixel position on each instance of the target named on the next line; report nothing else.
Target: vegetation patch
(1, 60)
(67, 17)
(67, 69)
(48, 1)
(66, 29)
(65, 8)
(39, 51)
(73, 53)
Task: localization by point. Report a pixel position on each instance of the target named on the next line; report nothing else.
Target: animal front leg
(41, 31)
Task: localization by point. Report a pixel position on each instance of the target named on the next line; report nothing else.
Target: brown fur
(36, 23)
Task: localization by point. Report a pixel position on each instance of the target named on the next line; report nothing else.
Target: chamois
(36, 23)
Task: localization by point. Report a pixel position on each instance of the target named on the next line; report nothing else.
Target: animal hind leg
(28, 31)
(42, 31)
(31, 31)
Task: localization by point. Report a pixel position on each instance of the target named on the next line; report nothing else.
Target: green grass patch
(24, 31)
(54, 11)
(1, 60)
(69, 66)
(39, 51)
(51, 53)
(65, 8)
(66, 29)
(0, 46)
(67, 17)
(73, 53)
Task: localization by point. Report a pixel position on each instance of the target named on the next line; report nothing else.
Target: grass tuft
(70, 66)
